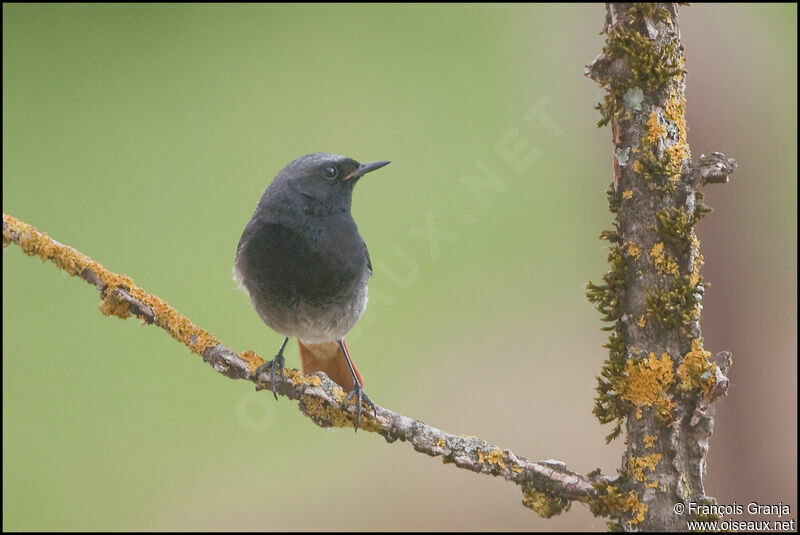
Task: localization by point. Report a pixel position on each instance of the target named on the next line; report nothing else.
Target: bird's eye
(330, 172)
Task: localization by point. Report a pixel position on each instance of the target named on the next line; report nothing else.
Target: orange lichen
(35, 243)
(648, 381)
(696, 370)
(252, 359)
(675, 111)
(114, 305)
(655, 130)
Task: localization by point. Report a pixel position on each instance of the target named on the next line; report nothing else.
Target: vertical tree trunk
(659, 381)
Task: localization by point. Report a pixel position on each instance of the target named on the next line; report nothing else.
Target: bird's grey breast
(305, 279)
(317, 263)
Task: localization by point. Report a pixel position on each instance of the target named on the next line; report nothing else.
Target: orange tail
(328, 357)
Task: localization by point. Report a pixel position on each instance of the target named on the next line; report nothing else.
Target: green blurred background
(144, 136)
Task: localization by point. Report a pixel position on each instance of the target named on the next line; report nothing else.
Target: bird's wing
(366, 253)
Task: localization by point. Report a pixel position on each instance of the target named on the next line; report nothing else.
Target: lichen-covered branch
(659, 381)
(547, 486)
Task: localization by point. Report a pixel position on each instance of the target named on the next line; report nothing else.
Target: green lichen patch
(609, 406)
(650, 67)
(633, 98)
(678, 306)
(654, 12)
(675, 228)
(546, 505)
(700, 208)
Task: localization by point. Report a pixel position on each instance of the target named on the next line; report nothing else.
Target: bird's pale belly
(302, 285)
(314, 323)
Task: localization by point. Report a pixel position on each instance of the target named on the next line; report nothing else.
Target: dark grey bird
(306, 267)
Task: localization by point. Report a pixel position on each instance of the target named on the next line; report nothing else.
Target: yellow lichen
(441, 443)
(517, 468)
(657, 250)
(655, 130)
(665, 146)
(637, 465)
(641, 322)
(694, 278)
(252, 359)
(494, 457)
(627, 194)
(650, 441)
(638, 413)
(329, 416)
(609, 501)
(696, 370)
(637, 509)
(113, 305)
(675, 111)
(297, 378)
(663, 263)
(633, 250)
(35, 243)
(648, 381)
(684, 488)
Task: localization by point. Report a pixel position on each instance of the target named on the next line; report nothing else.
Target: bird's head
(325, 179)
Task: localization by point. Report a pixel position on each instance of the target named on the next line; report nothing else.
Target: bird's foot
(360, 396)
(278, 363)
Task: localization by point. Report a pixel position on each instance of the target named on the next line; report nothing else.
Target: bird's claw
(277, 362)
(360, 396)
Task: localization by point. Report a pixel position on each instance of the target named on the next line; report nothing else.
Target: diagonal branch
(547, 486)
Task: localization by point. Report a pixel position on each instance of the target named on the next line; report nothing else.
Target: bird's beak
(365, 168)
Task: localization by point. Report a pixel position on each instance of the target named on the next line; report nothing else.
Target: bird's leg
(358, 391)
(278, 362)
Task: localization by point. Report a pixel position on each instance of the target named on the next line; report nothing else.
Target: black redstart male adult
(306, 267)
